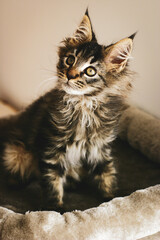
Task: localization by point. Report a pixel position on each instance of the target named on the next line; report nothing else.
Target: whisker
(45, 85)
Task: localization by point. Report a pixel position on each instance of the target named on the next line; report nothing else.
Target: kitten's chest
(77, 149)
(85, 134)
(87, 141)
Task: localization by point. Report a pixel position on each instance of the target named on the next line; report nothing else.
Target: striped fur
(68, 131)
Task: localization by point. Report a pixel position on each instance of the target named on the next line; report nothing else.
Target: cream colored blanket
(142, 131)
(129, 218)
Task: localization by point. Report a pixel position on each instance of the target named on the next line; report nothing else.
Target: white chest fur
(87, 147)
(92, 153)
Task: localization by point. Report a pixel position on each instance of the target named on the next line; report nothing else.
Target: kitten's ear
(117, 55)
(84, 32)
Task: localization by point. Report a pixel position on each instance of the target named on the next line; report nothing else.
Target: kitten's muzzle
(72, 74)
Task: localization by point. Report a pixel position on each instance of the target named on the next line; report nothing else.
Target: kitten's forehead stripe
(93, 60)
(89, 50)
(77, 51)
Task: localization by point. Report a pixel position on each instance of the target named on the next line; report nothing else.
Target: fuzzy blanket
(136, 216)
(142, 131)
(128, 218)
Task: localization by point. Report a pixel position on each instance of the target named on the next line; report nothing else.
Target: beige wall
(30, 30)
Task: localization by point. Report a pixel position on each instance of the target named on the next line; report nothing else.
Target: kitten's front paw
(107, 187)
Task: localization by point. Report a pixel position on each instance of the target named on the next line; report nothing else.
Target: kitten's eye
(90, 71)
(70, 60)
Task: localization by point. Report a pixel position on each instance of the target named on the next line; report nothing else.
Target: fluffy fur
(67, 132)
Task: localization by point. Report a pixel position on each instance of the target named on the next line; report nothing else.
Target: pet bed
(133, 214)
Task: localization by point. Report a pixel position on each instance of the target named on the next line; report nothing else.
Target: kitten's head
(85, 67)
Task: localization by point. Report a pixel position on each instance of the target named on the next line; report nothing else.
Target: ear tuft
(86, 13)
(118, 55)
(132, 36)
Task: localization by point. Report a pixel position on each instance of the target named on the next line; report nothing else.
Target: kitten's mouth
(78, 84)
(75, 84)
(75, 87)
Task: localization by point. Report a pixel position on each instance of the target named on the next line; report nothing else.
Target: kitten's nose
(72, 74)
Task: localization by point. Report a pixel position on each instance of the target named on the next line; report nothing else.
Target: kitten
(68, 131)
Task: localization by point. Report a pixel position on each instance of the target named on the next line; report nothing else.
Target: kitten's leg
(52, 185)
(105, 178)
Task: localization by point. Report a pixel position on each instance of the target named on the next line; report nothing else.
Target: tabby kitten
(67, 132)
